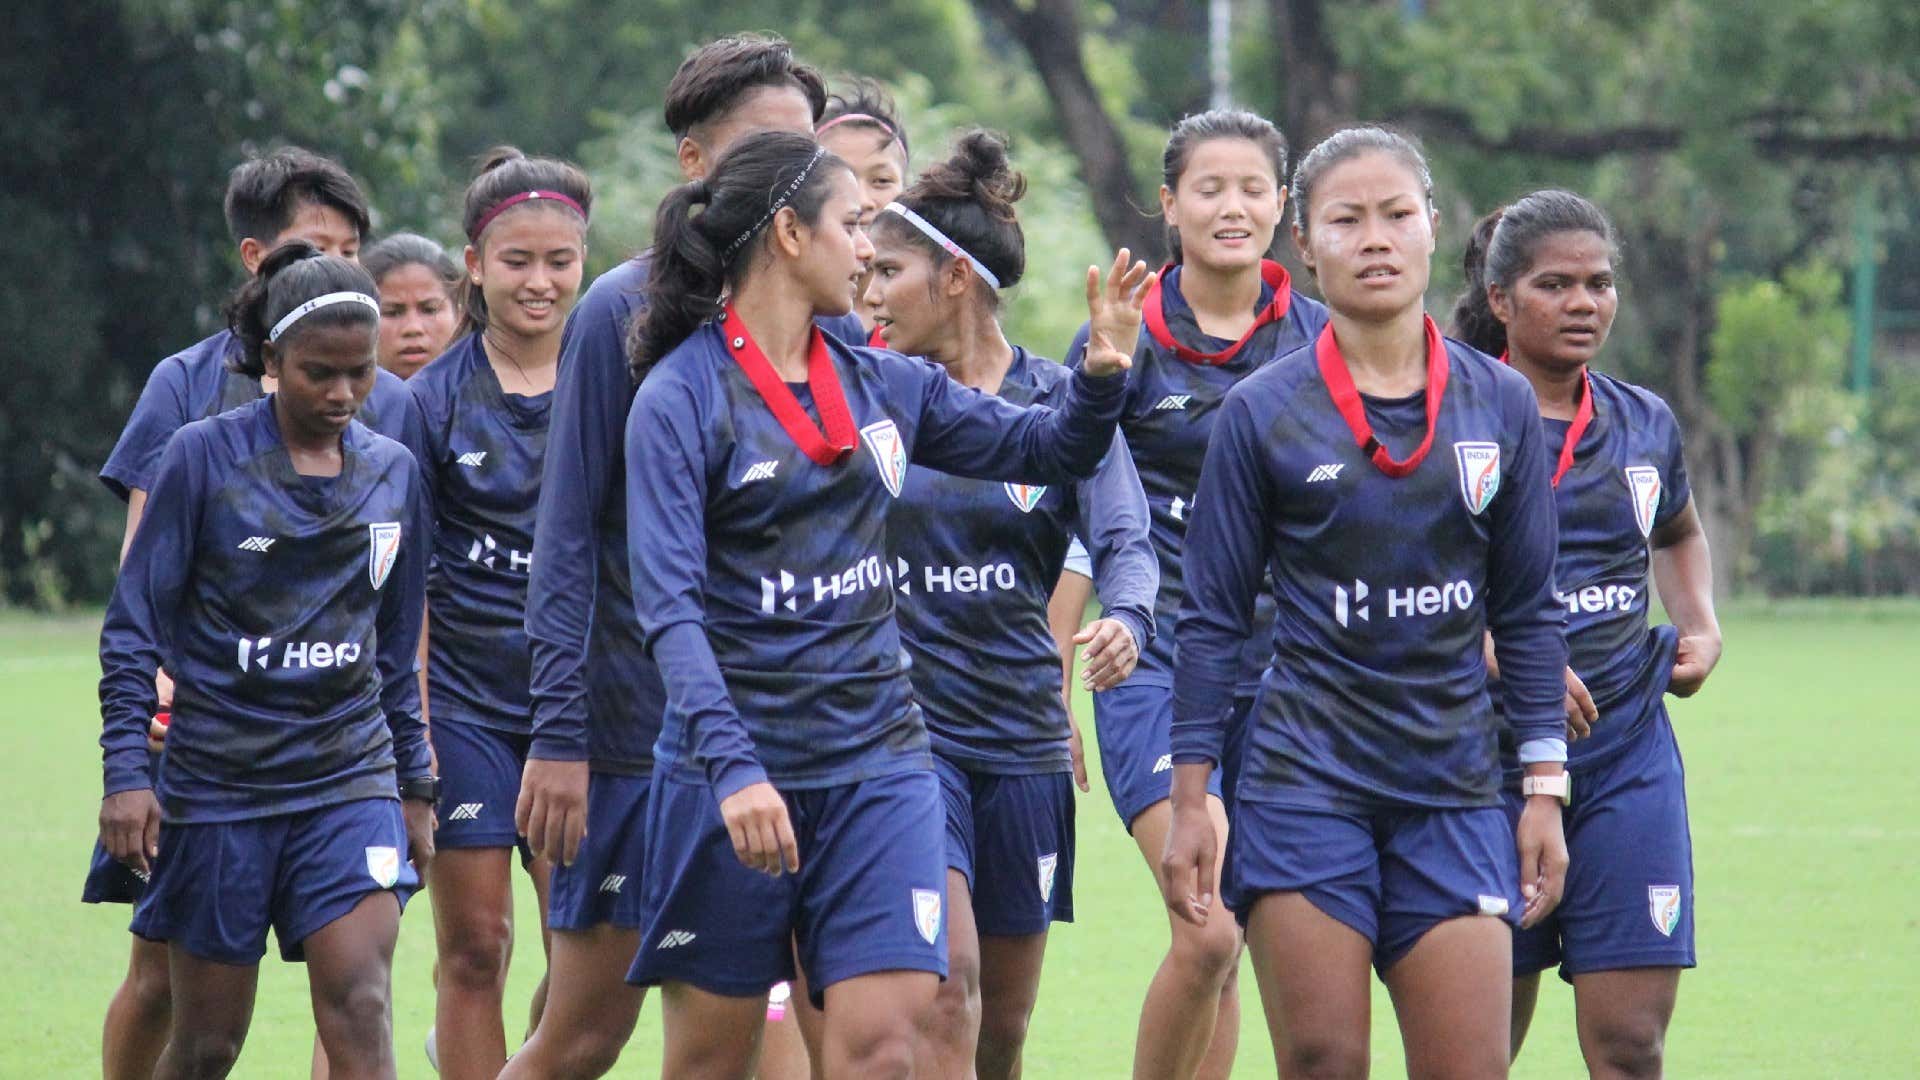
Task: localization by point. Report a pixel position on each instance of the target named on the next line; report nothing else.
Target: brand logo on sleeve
(383, 550)
(763, 470)
(889, 453)
(1663, 905)
(926, 913)
(472, 458)
(1173, 403)
(1479, 473)
(1325, 472)
(1025, 496)
(1049, 863)
(383, 865)
(257, 543)
(1643, 481)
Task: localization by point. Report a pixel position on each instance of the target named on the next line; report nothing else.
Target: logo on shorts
(1643, 481)
(384, 550)
(1493, 905)
(1165, 763)
(676, 938)
(1048, 864)
(383, 865)
(1663, 905)
(613, 883)
(1479, 473)
(889, 453)
(466, 811)
(926, 913)
(1026, 496)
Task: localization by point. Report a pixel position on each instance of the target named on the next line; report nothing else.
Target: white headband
(316, 304)
(945, 241)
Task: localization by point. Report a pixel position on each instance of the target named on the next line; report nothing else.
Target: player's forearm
(1683, 572)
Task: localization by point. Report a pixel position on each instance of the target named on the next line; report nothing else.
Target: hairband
(315, 304)
(855, 116)
(512, 201)
(818, 153)
(945, 241)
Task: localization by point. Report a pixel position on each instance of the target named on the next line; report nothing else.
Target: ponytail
(290, 276)
(1474, 322)
(707, 232)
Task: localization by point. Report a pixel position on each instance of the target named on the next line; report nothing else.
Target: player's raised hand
(762, 833)
(1113, 314)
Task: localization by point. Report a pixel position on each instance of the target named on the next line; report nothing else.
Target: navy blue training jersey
(1627, 479)
(763, 579)
(1170, 411)
(1377, 696)
(196, 384)
(482, 454)
(596, 693)
(287, 610)
(974, 564)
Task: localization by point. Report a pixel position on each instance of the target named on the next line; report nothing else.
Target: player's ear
(270, 360)
(1300, 244)
(252, 254)
(1501, 303)
(692, 157)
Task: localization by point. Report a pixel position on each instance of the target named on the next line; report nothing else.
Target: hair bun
(981, 163)
(498, 156)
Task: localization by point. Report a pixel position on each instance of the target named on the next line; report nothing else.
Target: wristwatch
(1560, 787)
(425, 788)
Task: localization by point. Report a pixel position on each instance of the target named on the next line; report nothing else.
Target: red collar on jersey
(830, 448)
(1271, 272)
(1582, 419)
(1346, 398)
(875, 339)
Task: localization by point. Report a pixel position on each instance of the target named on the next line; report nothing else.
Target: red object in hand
(163, 718)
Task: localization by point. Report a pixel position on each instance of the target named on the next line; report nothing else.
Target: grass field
(1802, 758)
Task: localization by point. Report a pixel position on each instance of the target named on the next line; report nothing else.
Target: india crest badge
(1479, 473)
(889, 453)
(1643, 483)
(383, 550)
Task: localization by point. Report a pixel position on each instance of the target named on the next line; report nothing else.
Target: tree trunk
(1321, 94)
(1049, 31)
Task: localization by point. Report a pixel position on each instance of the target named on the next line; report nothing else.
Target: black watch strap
(425, 788)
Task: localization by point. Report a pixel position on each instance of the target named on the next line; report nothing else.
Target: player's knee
(1003, 1030)
(1210, 953)
(1632, 1046)
(879, 1053)
(955, 1010)
(587, 1055)
(149, 991)
(206, 1053)
(474, 952)
(1324, 1056)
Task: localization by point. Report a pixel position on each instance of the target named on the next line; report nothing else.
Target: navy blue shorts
(1012, 838)
(480, 770)
(1390, 875)
(217, 887)
(870, 895)
(1134, 725)
(110, 881)
(1629, 898)
(602, 886)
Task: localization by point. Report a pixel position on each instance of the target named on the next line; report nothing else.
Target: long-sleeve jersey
(287, 610)
(1627, 479)
(1171, 407)
(762, 578)
(596, 693)
(1377, 696)
(481, 451)
(195, 384)
(974, 564)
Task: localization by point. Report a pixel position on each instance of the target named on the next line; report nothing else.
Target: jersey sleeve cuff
(121, 777)
(1534, 751)
(727, 778)
(547, 746)
(1193, 758)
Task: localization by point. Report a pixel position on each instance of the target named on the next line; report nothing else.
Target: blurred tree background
(1758, 157)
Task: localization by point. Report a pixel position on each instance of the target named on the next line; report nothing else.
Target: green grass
(1802, 762)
